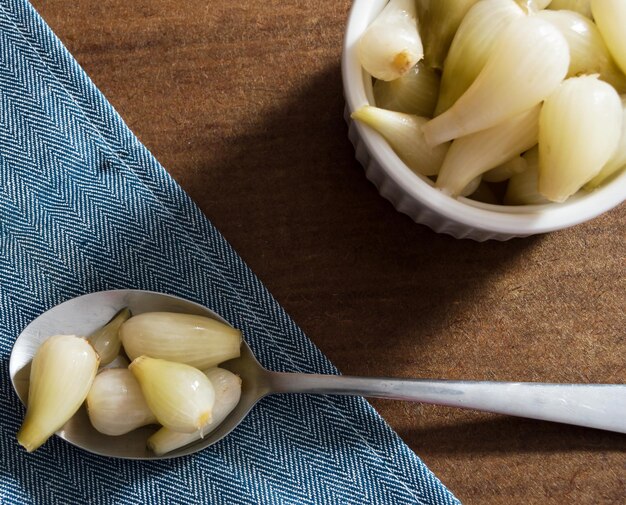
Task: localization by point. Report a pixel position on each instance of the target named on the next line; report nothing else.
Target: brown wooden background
(242, 102)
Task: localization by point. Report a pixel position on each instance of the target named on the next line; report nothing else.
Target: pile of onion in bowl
(490, 118)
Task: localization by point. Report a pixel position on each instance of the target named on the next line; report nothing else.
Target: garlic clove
(195, 340)
(115, 403)
(180, 396)
(506, 170)
(438, 21)
(227, 387)
(579, 129)
(529, 60)
(471, 47)
(581, 6)
(106, 340)
(391, 45)
(588, 52)
(522, 188)
(610, 17)
(617, 161)
(404, 134)
(415, 92)
(62, 372)
(472, 155)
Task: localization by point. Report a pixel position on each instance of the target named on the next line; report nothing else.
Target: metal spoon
(594, 405)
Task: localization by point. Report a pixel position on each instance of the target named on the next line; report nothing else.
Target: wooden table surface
(242, 103)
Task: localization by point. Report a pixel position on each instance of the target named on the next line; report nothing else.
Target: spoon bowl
(600, 406)
(85, 314)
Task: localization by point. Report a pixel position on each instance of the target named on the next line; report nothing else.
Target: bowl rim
(516, 220)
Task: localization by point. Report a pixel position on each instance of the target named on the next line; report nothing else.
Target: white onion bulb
(61, 374)
(415, 92)
(404, 134)
(579, 129)
(115, 403)
(617, 161)
(529, 60)
(472, 155)
(391, 45)
(588, 52)
(198, 341)
(610, 16)
(471, 47)
(180, 396)
(227, 387)
(439, 21)
(522, 188)
(106, 340)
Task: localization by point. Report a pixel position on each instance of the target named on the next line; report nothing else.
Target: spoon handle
(600, 406)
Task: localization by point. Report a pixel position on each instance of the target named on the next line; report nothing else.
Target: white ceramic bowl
(416, 196)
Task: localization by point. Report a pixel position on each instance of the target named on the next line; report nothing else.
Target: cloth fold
(85, 207)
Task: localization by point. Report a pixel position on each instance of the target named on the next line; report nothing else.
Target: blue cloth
(85, 207)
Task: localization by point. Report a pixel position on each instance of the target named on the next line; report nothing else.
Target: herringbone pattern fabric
(85, 207)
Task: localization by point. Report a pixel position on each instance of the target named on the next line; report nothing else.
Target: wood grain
(242, 103)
